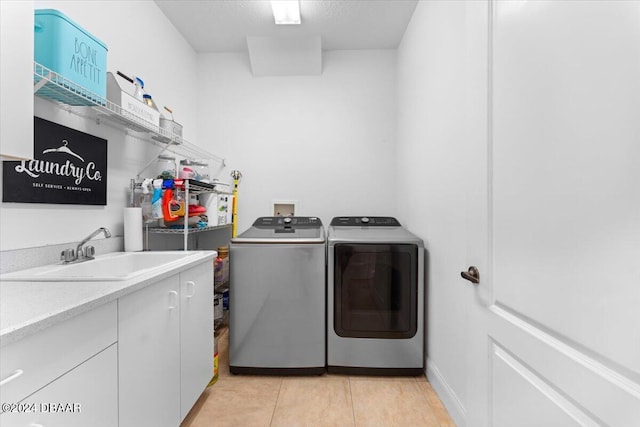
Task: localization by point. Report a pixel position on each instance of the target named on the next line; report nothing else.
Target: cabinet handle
(173, 294)
(12, 377)
(36, 425)
(191, 285)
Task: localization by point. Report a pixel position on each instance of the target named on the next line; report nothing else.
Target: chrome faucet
(81, 253)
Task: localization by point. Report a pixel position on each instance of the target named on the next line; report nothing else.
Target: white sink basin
(109, 267)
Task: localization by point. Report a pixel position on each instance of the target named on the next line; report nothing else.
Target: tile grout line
(276, 404)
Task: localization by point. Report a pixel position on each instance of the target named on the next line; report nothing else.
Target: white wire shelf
(194, 186)
(82, 102)
(190, 230)
(199, 187)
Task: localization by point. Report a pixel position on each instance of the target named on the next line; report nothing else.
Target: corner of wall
(449, 399)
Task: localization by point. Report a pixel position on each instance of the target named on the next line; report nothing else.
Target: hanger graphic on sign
(62, 149)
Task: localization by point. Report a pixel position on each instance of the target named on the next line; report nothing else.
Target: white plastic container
(210, 202)
(166, 166)
(201, 170)
(133, 109)
(171, 126)
(187, 169)
(217, 307)
(221, 186)
(223, 208)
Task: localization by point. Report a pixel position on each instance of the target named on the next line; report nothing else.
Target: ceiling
(223, 25)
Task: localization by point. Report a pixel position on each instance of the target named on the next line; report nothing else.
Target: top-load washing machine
(277, 297)
(375, 297)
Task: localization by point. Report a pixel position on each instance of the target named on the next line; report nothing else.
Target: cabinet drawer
(85, 396)
(35, 361)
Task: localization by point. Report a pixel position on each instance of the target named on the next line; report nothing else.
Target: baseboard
(449, 399)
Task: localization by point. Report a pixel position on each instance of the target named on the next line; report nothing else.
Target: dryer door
(376, 290)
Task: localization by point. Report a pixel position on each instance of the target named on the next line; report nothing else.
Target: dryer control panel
(365, 221)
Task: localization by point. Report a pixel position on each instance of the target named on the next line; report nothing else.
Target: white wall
(431, 194)
(327, 141)
(141, 41)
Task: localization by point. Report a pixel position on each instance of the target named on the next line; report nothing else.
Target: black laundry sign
(69, 167)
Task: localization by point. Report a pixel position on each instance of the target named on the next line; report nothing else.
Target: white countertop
(29, 307)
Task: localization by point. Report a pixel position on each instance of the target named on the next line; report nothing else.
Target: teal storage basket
(74, 54)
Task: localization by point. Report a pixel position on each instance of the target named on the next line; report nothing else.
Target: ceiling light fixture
(286, 12)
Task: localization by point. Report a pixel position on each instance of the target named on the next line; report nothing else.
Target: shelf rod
(151, 162)
(186, 217)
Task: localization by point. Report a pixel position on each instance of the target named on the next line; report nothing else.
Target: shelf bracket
(43, 81)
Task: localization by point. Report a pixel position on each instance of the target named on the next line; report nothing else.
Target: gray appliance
(375, 297)
(277, 297)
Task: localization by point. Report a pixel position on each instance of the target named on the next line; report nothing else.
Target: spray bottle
(145, 202)
(139, 92)
(139, 84)
(156, 201)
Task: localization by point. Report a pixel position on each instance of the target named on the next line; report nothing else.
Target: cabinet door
(85, 396)
(196, 333)
(149, 355)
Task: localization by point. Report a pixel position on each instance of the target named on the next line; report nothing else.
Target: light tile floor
(315, 401)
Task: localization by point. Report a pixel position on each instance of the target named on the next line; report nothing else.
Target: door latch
(472, 275)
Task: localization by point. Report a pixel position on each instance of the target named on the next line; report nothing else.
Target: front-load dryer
(375, 297)
(277, 297)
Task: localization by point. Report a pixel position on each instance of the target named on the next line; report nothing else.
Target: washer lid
(296, 229)
(371, 229)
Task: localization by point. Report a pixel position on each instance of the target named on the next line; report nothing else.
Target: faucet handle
(89, 252)
(67, 255)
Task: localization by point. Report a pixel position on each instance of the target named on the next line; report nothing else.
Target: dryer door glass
(376, 292)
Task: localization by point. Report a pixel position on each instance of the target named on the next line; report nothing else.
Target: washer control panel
(288, 222)
(365, 221)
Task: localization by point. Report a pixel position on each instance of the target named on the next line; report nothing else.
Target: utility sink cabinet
(165, 348)
(140, 358)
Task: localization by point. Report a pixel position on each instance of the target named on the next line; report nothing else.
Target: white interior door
(556, 224)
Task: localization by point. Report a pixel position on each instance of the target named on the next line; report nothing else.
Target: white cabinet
(196, 334)
(73, 362)
(16, 81)
(85, 396)
(142, 360)
(149, 355)
(166, 348)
